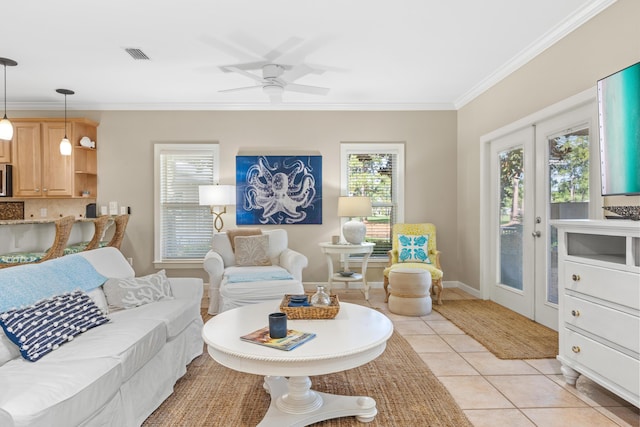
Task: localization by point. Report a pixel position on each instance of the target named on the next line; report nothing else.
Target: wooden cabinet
(5, 151)
(39, 168)
(599, 303)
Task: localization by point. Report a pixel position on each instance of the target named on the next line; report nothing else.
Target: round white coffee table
(356, 336)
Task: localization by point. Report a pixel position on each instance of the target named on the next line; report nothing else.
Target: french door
(538, 173)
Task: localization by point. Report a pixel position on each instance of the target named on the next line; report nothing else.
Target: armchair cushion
(252, 250)
(413, 248)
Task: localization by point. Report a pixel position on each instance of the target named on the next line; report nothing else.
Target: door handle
(536, 234)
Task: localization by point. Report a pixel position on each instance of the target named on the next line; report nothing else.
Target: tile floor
(495, 392)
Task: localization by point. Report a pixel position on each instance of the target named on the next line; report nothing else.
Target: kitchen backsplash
(44, 208)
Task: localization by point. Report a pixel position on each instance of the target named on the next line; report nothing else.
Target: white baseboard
(468, 289)
(311, 286)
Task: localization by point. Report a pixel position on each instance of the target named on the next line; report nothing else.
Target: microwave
(6, 180)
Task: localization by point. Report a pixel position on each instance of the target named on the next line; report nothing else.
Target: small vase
(320, 298)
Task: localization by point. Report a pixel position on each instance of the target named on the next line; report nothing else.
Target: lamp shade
(65, 147)
(353, 230)
(217, 195)
(354, 206)
(6, 129)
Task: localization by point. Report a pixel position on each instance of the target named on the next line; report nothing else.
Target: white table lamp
(217, 197)
(353, 207)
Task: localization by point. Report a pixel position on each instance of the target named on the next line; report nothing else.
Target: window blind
(186, 227)
(373, 175)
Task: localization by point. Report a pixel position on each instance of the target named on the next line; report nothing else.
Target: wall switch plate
(113, 208)
(43, 212)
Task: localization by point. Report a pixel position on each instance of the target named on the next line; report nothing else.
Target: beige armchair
(414, 246)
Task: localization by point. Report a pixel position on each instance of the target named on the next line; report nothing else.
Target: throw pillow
(137, 291)
(252, 250)
(49, 323)
(413, 248)
(232, 234)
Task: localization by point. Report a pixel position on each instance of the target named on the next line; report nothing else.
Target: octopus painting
(278, 190)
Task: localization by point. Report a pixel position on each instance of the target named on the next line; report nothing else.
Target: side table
(365, 248)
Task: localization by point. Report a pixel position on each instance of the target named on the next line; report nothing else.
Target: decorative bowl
(346, 273)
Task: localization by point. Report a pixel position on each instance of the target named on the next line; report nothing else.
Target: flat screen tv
(619, 125)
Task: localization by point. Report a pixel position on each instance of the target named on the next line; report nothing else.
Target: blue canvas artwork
(278, 190)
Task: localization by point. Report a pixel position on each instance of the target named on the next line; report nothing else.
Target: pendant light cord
(65, 116)
(5, 91)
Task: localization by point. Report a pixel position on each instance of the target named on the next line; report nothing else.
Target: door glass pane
(511, 220)
(568, 191)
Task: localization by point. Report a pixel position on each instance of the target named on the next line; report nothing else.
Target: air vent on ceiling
(137, 54)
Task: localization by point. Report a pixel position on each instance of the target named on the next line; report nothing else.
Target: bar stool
(100, 225)
(63, 229)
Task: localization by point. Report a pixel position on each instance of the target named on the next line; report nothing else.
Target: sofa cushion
(136, 291)
(46, 325)
(8, 350)
(252, 250)
(107, 261)
(175, 314)
(51, 393)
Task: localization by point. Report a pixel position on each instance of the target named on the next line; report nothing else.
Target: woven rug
(407, 393)
(503, 332)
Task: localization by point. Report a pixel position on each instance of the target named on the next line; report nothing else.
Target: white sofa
(115, 374)
(220, 264)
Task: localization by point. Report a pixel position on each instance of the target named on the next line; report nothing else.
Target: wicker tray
(328, 312)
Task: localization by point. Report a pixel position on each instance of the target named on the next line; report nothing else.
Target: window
(376, 170)
(183, 228)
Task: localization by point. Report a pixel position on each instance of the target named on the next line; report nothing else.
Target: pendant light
(6, 128)
(65, 145)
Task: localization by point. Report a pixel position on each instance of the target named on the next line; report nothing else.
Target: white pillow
(137, 291)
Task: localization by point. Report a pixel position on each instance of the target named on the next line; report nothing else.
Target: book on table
(292, 340)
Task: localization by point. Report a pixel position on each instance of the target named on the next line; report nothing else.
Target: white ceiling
(376, 54)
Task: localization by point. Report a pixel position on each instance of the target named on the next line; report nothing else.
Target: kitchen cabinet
(39, 168)
(5, 151)
(599, 303)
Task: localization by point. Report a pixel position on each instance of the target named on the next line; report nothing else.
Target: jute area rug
(407, 393)
(505, 333)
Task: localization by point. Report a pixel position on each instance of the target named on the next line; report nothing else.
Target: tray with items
(296, 307)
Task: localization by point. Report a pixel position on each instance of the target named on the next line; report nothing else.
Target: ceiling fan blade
(238, 89)
(256, 65)
(299, 71)
(316, 90)
(245, 73)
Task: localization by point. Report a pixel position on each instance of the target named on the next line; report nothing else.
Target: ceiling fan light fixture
(6, 128)
(272, 89)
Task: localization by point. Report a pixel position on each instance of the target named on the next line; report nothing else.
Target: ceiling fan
(276, 79)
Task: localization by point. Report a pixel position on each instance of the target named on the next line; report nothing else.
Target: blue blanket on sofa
(26, 284)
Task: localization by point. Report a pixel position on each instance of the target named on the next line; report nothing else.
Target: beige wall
(605, 44)
(125, 161)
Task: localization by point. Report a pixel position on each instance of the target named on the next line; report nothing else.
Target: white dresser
(599, 303)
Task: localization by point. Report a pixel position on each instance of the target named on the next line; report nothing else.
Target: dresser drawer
(604, 361)
(613, 325)
(616, 286)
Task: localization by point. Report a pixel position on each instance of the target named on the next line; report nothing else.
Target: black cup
(278, 325)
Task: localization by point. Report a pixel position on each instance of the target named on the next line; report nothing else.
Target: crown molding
(534, 49)
(46, 106)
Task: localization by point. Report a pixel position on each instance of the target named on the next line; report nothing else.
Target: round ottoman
(409, 292)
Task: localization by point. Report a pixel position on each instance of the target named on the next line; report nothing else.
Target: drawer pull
(575, 277)
(575, 313)
(575, 349)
